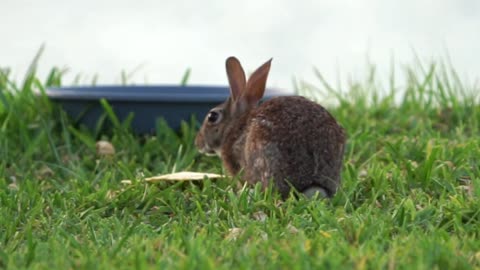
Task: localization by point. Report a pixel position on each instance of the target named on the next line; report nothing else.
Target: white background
(166, 37)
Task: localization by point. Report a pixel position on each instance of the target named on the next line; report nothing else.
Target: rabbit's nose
(199, 142)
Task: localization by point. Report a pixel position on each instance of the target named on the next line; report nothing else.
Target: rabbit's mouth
(210, 153)
(207, 151)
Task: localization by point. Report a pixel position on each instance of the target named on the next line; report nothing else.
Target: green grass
(409, 199)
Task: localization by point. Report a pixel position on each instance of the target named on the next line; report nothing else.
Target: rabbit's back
(296, 142)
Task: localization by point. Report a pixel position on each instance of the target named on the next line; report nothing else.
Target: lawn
(409, 198)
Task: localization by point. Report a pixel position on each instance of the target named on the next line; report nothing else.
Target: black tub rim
(149, 93)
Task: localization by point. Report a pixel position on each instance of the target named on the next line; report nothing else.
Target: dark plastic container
(147, 103)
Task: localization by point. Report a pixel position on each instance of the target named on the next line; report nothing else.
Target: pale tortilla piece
(180, 176)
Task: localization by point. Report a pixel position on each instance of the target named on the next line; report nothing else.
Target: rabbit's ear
(236, 77)
(256, 84)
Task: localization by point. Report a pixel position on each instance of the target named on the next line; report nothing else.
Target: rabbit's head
(244, 96)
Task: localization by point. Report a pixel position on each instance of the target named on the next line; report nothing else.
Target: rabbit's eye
(214, 117)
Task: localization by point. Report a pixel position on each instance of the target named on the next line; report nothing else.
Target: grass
(409, 199)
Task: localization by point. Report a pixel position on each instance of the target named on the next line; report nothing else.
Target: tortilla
(180, 176)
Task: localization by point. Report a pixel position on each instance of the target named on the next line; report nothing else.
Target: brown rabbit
(289, 140)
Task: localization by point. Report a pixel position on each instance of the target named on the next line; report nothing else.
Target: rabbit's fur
(291, 141)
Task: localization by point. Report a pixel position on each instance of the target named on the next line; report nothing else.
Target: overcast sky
(166, 37)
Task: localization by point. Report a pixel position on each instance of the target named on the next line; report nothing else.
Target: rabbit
(290, 140)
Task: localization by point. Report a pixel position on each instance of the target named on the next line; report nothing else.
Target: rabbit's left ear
(236, 77)
(256, 84)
